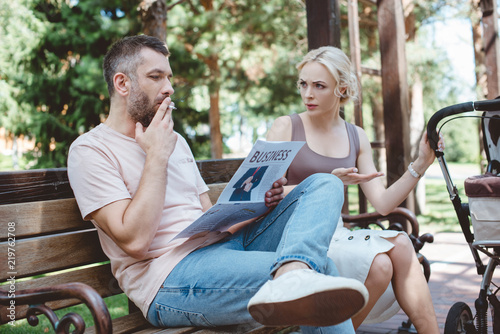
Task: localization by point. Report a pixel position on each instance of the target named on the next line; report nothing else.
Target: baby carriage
(482, 210)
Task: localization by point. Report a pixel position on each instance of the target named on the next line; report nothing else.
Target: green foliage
(20, 31)
(66, 90)
(54, 82)
(441, 89)
(245, 52)
(51, 85)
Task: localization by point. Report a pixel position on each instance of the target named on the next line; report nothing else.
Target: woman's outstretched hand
(351, 175)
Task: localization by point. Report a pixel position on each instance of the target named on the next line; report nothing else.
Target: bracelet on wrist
(413, 172)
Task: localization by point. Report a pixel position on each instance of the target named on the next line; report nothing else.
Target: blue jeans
(212, 285)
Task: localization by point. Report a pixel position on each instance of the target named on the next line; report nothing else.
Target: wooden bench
(53, 259)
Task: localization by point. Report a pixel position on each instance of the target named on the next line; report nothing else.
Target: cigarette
(172, 106)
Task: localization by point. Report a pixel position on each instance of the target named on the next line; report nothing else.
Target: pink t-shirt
(105, 166)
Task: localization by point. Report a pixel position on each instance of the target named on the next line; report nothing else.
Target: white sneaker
(305, 297)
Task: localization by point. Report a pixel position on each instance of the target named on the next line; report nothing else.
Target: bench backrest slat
(47, 184)
(52, 253)
(38, 218)
(34, 185)
(99, 277)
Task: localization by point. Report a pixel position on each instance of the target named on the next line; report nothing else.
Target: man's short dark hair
(124, 56)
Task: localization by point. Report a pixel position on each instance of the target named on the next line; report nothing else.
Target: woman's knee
(403, 252)
(402, 243)
(381, 270)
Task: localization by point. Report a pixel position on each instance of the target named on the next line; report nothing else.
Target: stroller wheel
(457, 317)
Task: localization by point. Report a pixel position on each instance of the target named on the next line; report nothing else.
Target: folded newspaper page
(243, 197)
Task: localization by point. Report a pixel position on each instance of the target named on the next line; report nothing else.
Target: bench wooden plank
(44, 217)
(39, 218)
(215, 190)
(131, 323)
(47, 184)
(34, 185)
(51, 253)
(248, 329)
(218, 171)
(98, 277)
(182, 330)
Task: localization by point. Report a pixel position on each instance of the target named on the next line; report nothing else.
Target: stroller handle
(432, 135)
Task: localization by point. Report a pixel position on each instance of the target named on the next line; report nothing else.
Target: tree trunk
(214, 117)
(417, 118)
(490, 38)
(212, 61)
(479, 58)
(477, 40)
(154, 18)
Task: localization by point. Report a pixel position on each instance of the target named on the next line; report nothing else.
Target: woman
(326, 82)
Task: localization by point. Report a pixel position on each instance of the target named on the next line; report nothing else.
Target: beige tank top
(308, 162)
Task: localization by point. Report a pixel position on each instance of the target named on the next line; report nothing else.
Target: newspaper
(243, 197)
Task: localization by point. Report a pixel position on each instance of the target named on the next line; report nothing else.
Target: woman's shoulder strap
(353, 134)
(298, 132)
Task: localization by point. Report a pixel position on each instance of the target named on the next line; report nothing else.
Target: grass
(439, 214)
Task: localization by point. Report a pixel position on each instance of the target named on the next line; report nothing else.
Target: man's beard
(140, 107)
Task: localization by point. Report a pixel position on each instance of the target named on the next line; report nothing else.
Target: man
(138, 182)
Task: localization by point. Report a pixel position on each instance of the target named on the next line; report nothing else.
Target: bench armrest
(366, 219)
(36, 298)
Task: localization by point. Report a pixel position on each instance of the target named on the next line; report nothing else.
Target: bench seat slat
(183, 330)
(130, 323)
(135, 323)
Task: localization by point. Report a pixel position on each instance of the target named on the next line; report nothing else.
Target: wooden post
(490, 31)
(323, 23)
(395, 93)
(355, 47)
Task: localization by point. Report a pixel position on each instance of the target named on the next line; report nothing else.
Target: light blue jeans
(212, 285)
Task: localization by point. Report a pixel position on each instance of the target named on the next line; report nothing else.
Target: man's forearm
(143, 214)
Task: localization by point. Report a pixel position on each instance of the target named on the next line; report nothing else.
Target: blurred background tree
(57, 81)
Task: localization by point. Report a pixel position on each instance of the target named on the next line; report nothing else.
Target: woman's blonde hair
(339, 66)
